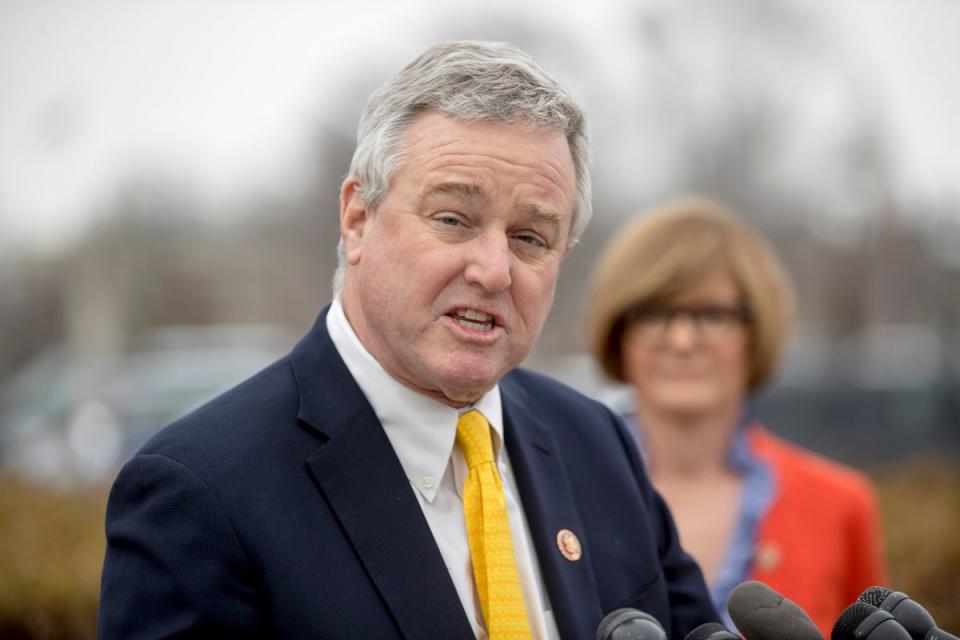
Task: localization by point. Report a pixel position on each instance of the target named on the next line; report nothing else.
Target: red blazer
(820, 543)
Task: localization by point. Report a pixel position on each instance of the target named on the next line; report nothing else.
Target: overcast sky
(223, 93)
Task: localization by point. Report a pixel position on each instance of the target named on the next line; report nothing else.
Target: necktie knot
(473, 436)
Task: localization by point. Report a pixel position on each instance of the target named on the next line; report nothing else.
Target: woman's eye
(713, 316)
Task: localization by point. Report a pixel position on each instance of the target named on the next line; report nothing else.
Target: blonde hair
(674, 247)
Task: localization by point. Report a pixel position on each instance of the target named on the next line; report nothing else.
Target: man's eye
(449, 220)
(531, 239)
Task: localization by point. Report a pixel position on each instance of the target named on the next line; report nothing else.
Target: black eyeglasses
(713, 323)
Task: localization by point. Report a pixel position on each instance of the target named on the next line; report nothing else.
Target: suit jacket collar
(358, 472)
(364, 483)
(550, 507)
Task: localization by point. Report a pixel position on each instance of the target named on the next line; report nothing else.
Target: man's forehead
(435, 133)
(433, 126)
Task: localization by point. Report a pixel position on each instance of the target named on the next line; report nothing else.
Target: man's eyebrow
(467, 190)
(547, 215)
(473, 191)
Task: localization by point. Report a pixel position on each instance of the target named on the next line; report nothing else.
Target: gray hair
(467, 81)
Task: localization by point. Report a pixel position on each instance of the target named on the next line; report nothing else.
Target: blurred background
(169, 175)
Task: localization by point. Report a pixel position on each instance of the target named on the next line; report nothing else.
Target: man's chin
(466, 387)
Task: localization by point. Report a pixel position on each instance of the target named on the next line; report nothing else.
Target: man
(395, 476)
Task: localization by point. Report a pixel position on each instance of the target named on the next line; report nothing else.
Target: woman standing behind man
(692, 309)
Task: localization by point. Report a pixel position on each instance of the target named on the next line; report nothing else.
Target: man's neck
(364, 336)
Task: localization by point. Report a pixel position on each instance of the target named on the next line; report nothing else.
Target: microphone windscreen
(875, 595)
(611, 621)
(863, 621)
(908, 613)
(630, 624)
(850, 619)
(711, 631)
(761, 613)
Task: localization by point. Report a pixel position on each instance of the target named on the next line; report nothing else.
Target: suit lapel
(549, 505)
(364, 483)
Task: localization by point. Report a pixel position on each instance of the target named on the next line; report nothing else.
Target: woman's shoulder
(796, 466)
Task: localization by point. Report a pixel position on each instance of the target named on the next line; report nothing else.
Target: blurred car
(68, 420)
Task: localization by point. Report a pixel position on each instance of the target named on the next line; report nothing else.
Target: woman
(691, 308)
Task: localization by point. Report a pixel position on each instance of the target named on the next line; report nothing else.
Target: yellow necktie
(488, 533)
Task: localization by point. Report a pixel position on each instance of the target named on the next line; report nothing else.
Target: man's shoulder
(241, 418)
(541, 395)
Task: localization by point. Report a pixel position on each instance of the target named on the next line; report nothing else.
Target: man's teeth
(473, 319)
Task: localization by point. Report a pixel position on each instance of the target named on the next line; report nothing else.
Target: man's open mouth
(473, 319)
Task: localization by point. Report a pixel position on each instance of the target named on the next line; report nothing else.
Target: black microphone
(761, 613)
(630, 624)
(862, 621)
(711, 631)
(911, 616)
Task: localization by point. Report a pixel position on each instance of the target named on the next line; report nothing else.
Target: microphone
(711, 631)
(862, 621)
(761, 613)
(630, 624)
(911, 616)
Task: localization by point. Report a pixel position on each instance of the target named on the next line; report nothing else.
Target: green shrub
(51, 550)
(920, 507)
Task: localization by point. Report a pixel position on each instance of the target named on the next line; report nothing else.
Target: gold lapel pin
(768, 556)
(569, 545)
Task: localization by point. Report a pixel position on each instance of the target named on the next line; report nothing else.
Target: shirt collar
(421, 430)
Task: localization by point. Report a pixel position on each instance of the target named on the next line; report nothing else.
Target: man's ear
(353, 216)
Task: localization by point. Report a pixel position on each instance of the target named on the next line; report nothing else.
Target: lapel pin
(569, 545)
(768, 556)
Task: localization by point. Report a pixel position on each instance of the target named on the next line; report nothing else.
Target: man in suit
(396, 476)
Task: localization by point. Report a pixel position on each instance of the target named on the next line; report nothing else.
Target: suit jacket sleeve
(174, 567)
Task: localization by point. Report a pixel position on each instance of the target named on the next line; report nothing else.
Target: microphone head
(875, 595)
(761, 613)
(630, 624)
(711, 631)
(863, 621)
(850, 619)
(908, 613)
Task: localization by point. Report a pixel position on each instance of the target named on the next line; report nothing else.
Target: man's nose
(488, 262)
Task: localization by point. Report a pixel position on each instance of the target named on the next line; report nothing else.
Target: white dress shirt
(423, 434)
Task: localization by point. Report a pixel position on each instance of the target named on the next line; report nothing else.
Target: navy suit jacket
(280, 510)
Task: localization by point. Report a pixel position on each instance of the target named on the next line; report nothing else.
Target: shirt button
(428, 482)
